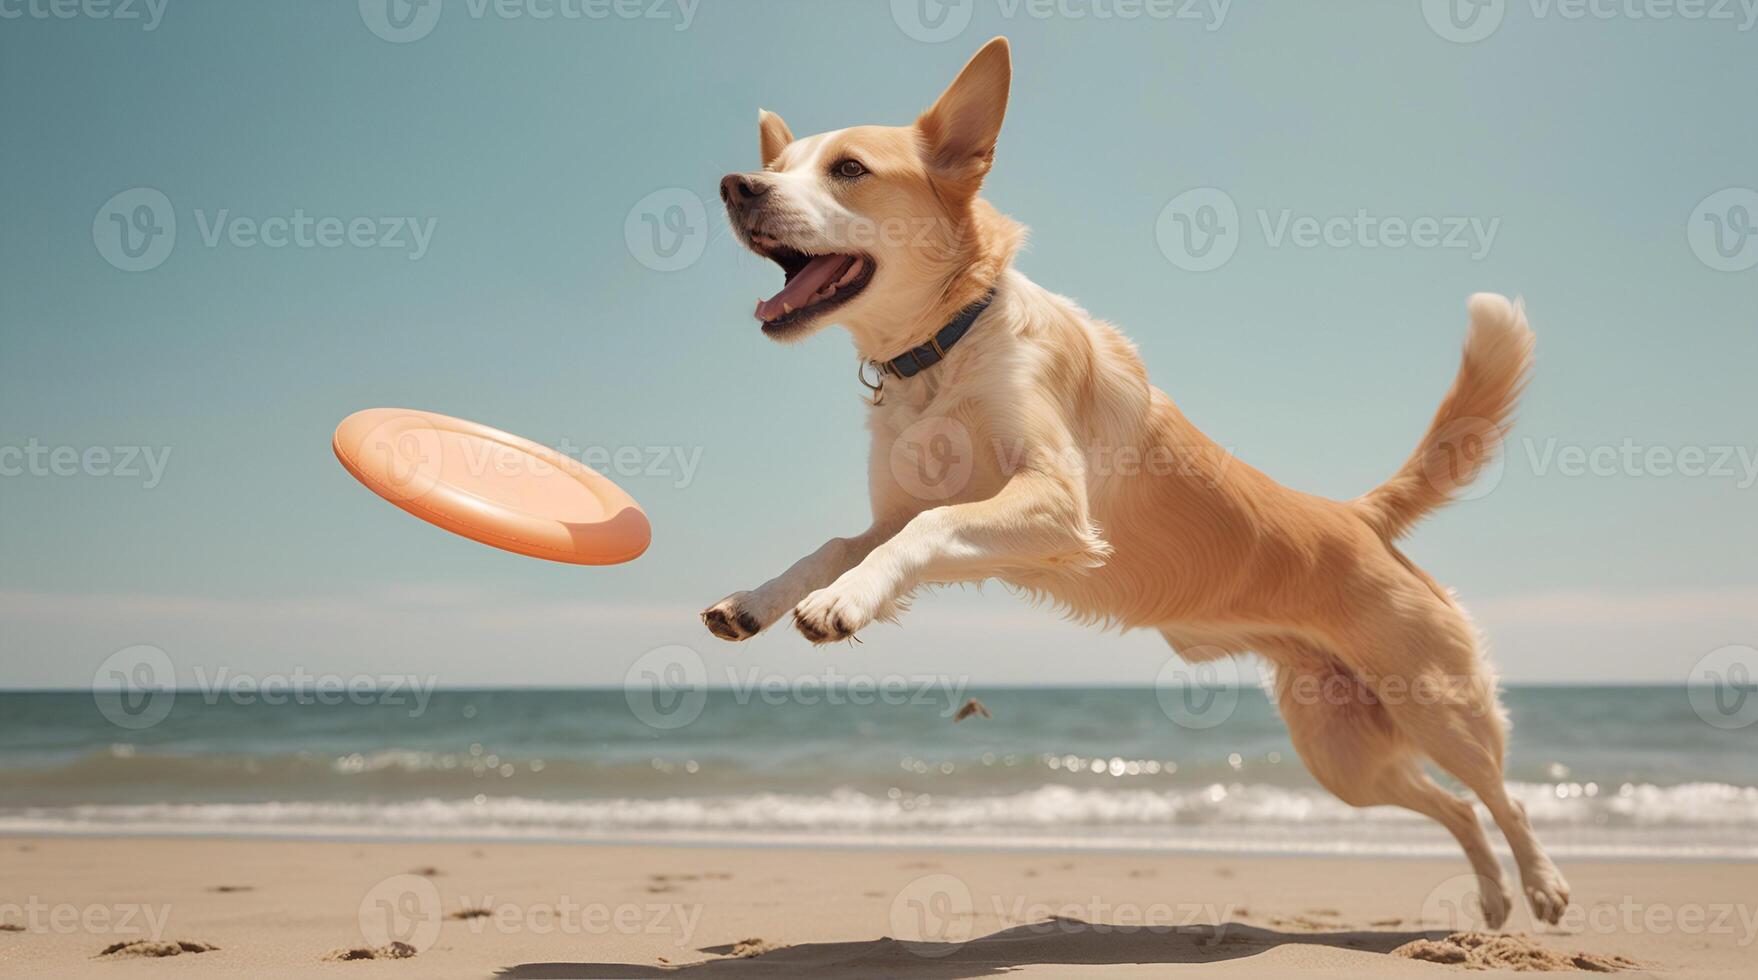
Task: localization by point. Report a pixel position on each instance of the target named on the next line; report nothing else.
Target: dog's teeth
(786, 309)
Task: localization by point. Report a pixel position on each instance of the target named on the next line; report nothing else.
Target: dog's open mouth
(816, 284)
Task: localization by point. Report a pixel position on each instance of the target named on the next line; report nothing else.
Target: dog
(1034, 405)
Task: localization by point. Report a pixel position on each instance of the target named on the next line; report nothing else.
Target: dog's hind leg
(1353, 749)
(1450, 713)
(1465, 739)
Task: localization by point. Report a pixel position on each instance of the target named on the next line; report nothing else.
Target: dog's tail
(1469, 427)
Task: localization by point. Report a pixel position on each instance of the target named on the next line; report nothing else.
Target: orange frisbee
(493, 487)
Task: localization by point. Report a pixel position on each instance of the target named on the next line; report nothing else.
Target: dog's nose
(739, 188)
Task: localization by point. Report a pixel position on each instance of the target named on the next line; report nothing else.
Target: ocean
(1604, 772)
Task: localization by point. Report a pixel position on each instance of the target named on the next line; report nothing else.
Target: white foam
(1698, 819)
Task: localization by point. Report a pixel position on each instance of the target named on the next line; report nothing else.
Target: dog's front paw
(733, 618)
(834, 613)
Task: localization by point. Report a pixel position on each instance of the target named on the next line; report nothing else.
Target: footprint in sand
(389, 951)
(1301, 922)
(151, 948)
(747, 948)
(1480, 951)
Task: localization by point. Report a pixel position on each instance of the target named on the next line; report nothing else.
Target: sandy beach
(299, 908)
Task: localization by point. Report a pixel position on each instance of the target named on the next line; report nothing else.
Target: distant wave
(1698, 819)
(122, 773)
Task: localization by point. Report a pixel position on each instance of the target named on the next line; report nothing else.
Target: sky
(227, 226)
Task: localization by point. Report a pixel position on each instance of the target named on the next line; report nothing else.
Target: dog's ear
(772, 135)
(960, 129)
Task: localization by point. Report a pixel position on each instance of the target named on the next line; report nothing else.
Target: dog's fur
(1376, 666)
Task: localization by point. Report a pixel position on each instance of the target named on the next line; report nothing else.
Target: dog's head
(877, 223)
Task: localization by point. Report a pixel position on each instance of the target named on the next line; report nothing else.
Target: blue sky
(520, 151)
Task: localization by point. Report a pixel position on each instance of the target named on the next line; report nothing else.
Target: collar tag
(876, 387)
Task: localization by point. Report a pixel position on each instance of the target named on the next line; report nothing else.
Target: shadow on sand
(1057, 941)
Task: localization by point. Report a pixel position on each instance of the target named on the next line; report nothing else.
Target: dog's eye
(849, 169)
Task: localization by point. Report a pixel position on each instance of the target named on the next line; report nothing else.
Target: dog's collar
(918, 359)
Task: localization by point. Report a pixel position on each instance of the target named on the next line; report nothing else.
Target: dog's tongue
(818, 273)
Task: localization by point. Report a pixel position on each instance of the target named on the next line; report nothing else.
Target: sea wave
(123, 773)
(1701, 819)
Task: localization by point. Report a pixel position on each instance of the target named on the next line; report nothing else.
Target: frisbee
(491, 486)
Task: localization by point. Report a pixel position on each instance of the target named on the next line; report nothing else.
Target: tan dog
(1057, 430)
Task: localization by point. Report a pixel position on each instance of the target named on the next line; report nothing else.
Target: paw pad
(719, 625)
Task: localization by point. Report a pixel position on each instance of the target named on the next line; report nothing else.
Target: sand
(500, 910)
